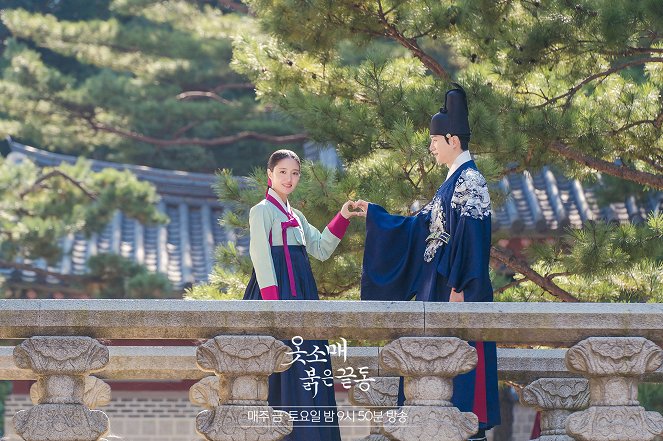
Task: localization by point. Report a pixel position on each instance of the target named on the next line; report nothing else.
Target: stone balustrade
(382, 396)
(613, 366)
(517, 323)
(61, 365)
(242, 365)
(429, 365)
(556, 398)
(614, 346)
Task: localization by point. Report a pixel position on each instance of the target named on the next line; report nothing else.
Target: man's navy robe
(446, 245)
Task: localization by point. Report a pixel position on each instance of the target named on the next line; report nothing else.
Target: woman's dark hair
(282, 154)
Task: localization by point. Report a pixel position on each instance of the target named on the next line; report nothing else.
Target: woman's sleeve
(260, 224)
(393, 255)
(322, 245)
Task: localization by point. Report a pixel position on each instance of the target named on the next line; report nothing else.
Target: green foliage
(543, 54)
(112, 276)
(107, 82)
(39, 206)
(602, 263)
(517, 57)
(5, 390)
(232, 271)
(539, 75)
(650, 396)
(208, 291)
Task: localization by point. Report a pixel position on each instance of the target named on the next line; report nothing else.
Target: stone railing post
(429, 365)
(62, 365)
(381, 396)
(236, 398)
(613, 366)
(556, 398)
(97, 393)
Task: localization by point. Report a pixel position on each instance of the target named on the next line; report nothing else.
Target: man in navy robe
(441, 254)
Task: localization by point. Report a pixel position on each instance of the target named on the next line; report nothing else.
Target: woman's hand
(349, 210)
(456, 296)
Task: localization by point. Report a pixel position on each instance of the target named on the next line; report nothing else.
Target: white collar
(460, 160)
(276, 196)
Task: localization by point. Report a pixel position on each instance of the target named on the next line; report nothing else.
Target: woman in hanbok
(441, 254)
(281, 239)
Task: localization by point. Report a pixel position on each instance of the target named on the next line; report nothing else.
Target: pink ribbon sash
(290, 223)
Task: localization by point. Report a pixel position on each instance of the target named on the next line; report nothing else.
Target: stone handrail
(525, 323)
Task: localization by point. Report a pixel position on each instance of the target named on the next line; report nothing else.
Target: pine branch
(409, 178)
(572, 91)
(512, 170)
(202, 94)
(212, 142)
(179, 132)
(38, 184)
(424, 33)
(644, 178)
(654, 122)
(323, 184)
(523, 268)
(553, 275)
(411, 44)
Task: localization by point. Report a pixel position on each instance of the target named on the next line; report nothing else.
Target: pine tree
(134, 81)
(572, 85)
(39, 206)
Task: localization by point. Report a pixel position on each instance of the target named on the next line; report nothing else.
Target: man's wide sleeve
(393, 255)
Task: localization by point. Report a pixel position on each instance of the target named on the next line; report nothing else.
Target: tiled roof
(547, 201)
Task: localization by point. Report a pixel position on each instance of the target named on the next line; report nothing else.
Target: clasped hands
(354, 208)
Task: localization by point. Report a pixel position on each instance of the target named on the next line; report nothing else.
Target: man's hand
(456, 296)
(362, 205)
(350, 209)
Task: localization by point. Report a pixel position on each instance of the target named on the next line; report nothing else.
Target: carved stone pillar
(429, 365)
(556, 398)
(97, 393)
(613, 366)
(236, 398)
(62, 365)
(379, 398)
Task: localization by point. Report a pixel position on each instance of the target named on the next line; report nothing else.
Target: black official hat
(453, 118)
